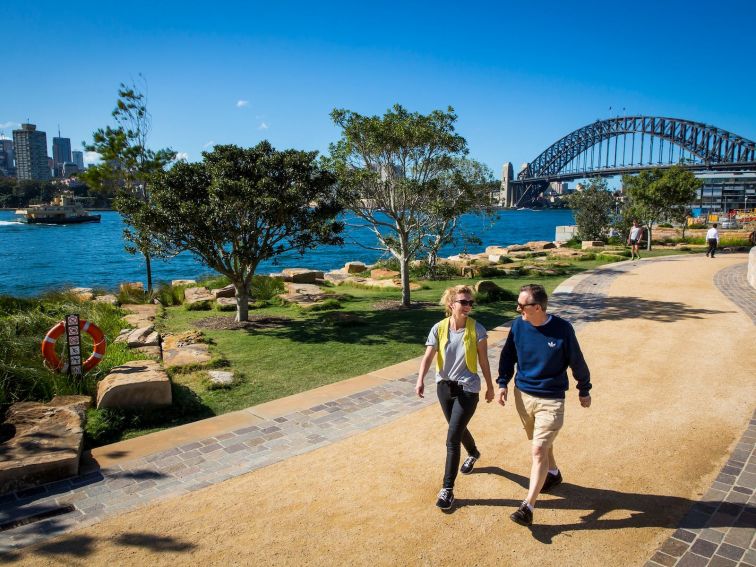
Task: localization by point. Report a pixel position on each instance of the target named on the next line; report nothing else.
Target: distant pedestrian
(542, 346)
(712, 239)
(633, 240)
(459, 344)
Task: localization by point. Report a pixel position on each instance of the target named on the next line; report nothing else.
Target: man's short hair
(537, 294)
(715, 225)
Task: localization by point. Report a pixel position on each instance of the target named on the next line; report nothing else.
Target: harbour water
(38, 258)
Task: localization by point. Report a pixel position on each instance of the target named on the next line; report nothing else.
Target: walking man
(542, 346)
(712, 239)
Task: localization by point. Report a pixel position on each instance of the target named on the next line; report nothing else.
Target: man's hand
(585, 401)
(501, 396)
(489, 394)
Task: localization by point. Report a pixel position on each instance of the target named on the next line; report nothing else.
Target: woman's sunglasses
(465, 302)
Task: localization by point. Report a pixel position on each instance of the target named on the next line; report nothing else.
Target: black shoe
(552, 480)
(445, 498)
(523, 515)
(468, 465)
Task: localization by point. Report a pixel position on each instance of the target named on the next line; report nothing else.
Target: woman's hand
(420, 389)
(502, 396)
(489, 394)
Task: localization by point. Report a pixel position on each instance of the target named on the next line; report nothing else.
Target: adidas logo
(552, 344)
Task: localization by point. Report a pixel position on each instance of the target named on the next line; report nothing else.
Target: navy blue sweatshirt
(542, 355)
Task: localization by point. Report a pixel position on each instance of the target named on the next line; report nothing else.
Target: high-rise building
(78, 159)
(61, 153)
(30, 147)
(7, 157)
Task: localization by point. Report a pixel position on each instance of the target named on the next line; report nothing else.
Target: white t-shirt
(635, 233)
(455, 365)
(713, 233)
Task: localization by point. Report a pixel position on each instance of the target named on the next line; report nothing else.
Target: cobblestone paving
(733, 283)
(192, 466)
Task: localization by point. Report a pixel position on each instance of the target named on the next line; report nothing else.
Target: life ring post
(72, 326)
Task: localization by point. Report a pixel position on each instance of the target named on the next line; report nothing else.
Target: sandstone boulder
(591, 244)
(221, 377)
(228, 291)
(194, 295)
(140, 315)
(82, 293)
(381, 273)
(354, 267)
(336, 277)
(487, 286)
(41, 442)
(137, 338)
(497, 250)
(541, 245)
(518, 248)
(301, 275)
(108, 298)
(136, 384)
(132, 287)
(176, 283)
(303, 294)
(184, 349)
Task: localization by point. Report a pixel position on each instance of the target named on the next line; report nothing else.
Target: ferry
(65, 209)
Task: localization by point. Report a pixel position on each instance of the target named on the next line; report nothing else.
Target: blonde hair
(450, 296)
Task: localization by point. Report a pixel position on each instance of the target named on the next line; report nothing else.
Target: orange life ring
(98, 339)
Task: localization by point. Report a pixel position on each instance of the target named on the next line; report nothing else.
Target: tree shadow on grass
(615, 510)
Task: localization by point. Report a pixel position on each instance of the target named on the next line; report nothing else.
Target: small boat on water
(65, 209)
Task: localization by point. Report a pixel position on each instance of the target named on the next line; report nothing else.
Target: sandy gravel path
(673, 388)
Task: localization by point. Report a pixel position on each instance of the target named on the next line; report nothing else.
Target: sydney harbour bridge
(628, 144)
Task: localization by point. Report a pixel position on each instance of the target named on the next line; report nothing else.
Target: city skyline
(520, 78)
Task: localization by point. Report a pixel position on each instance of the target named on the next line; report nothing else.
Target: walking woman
(459, 344)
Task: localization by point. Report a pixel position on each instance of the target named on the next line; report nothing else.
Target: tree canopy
(404, 175)
(240, 206)
(593, 209)
(126, 167)
(659, 194)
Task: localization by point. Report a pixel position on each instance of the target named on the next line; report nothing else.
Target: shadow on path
(613, 510)
(600, 308)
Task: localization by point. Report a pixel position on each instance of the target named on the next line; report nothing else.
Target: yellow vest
(469, 339)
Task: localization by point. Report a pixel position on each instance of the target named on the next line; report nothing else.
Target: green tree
(126, 167)
(659, 193)
(394, 170)
(593, 208)
(241, 206)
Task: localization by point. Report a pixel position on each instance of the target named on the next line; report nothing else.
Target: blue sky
(520, 75)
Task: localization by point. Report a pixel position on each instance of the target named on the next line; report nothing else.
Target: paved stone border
(204, 462)
(720, 530)
(733, 283)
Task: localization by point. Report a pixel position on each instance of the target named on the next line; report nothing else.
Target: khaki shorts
(542, 418)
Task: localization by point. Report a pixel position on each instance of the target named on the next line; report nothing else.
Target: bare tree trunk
(404, 268)
(242, 302)
(432, 261)
(648, 240)
(148, 262)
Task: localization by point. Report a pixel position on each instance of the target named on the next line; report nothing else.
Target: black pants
(458, 407)
(712, 246)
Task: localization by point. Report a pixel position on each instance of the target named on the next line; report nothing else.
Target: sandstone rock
(136, 338)
(497, 258)
(176, 283)
(41, 443)
(303, 294)
(184, 349)
(354, 267)
(221, 377)
(301, 275)
(196, 295)
(155, 351)
(108, 298)
(140, 315)
(518, 248)
(136, 384)
(381, 273)
(541, 245)
(80, 404)
(487, 286)
(336, 277)
(228, 291)
(591, 244)
(497, 250)
(83, 293)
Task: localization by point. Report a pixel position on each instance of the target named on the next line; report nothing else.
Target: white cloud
(242, 103)
(10, 124)
(91, 157)
(182, 156)
(209, 144)
(263, 126)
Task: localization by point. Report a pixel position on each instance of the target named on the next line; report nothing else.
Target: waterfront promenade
(661, 467)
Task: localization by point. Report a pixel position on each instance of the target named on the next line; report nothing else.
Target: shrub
(495, 295)
(169, 295)
(265, 287)
(325, 305)
(664, 225)
(199, 306)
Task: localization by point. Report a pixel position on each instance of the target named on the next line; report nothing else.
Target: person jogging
(542, 346)
(459, 344)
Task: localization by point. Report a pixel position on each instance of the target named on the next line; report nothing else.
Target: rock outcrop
(184, 349)
(136, 384)
(41, 442)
